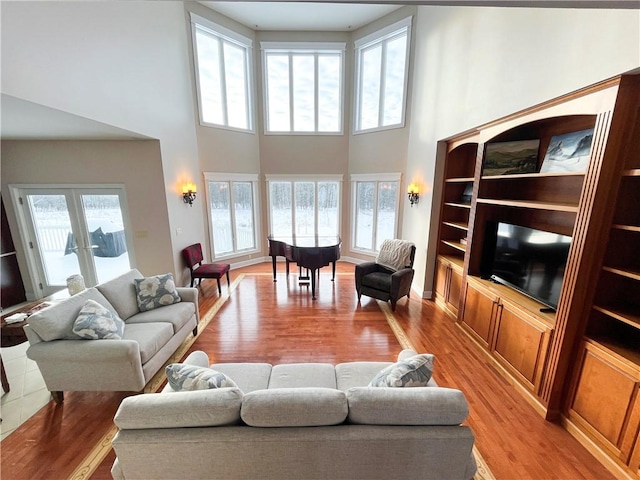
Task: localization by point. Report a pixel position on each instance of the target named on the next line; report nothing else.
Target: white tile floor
(27, 394)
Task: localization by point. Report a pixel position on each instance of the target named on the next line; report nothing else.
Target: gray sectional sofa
(69, 363)
(295, 421)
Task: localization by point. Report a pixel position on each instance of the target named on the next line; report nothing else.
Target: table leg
(273, 266)
(313, 284)
(3, 375)
(333, 272)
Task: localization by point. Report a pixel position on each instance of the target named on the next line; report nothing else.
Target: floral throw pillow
(154, 292)
(191, 377)
(98, 322)
(413, 372)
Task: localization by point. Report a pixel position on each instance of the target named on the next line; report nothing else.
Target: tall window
(375, 209)
(304, 206)
(223, 75)
(381, 77)
(232, 211)
(303, 87)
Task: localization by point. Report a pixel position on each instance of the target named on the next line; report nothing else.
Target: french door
(74, 230)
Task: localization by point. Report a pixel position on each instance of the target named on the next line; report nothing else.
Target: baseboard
(595, 450)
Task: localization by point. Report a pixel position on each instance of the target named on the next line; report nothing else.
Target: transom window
(222, 62)
(375, 209)
(304, 205)
(232, 202)
(381, 77)
(303, 87)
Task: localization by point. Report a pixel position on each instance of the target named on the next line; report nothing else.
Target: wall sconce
(413, 192)
(189, 193)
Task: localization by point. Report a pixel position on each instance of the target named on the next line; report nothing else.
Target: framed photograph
(509, 158)
(568, 152)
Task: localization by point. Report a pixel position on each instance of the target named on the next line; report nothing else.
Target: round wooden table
(11, 334)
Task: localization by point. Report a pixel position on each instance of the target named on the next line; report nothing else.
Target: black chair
(383, 282)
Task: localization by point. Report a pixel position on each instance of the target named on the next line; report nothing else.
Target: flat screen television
(529, 260)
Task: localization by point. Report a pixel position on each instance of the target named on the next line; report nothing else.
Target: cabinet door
(521, 344)
(478, 314)
(455, 289)
(442, 269)
(604, 401)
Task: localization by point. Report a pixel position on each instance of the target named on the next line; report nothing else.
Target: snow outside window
(375, 215)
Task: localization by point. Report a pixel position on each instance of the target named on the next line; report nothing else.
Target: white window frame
(223, 35)
(381, 36)
(304, 178)
(231, 178)
(292, 49)
(377, 178)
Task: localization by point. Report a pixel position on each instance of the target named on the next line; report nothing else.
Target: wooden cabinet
(448, 284)
(580, 363)
(515, 336)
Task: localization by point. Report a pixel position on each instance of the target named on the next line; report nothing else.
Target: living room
(129, 67)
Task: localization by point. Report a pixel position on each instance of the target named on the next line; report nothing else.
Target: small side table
(11, 334)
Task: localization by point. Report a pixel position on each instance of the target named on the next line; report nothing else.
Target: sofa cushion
(294, 407)
(377, 281)
(151, 337)
(203, 408)
(190, 377)
(407, 406)
(56, 322)
(177, 314)
(155, 292)
(357, 374)
(121, 293)
(303, 375)
(413, 372)
(248, 376)
(96, 321)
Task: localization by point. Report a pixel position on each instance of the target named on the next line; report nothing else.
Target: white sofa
(297, 421)
(69, 363)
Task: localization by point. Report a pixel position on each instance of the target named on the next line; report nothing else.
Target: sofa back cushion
(406, 406)
(201, 408)
(56, 322)
(294, 407)
(121, 293)
(295, 375)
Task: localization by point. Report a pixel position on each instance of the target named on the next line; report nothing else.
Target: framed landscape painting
(568, 153)
(510, 158)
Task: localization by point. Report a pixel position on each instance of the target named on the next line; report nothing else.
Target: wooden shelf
(625, 313)
(532, 175)
(632, 274)
(458, 205)
(556, 207)
(456, 245)
(628, 228)
(455, 260)
(617, 347)
(458, 225)
(634, 172)
(459, 180)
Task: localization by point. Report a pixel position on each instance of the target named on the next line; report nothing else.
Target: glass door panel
(107, 242)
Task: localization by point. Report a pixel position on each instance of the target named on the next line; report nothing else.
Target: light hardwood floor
(278, 322)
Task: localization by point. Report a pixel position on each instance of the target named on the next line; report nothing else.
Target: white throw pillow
(98, 322)
(415, 371)
(190, 377)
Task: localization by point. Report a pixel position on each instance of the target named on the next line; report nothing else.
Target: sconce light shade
(189, 193)
(413, 192)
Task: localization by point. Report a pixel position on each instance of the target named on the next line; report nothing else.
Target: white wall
(474, 65)
(121, 63)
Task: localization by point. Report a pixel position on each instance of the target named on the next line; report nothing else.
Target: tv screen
(531, 261)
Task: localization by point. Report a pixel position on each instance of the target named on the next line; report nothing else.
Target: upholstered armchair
(389, 277)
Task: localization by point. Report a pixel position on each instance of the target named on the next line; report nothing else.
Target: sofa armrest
(188, 294)
(85, 351)
(401, 282)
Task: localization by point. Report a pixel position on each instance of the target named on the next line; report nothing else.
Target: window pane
(236, 84)
(304, 111)
(329, 74)
(305, 208)
(281, 208)
(394, 80)
(327, 208)
(221, 218)
(243, 200)
(387, 203)
(208, 48)
(278, 92)
(364, 214)
(370, 87)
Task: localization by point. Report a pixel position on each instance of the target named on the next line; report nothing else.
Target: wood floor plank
(278, 322)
